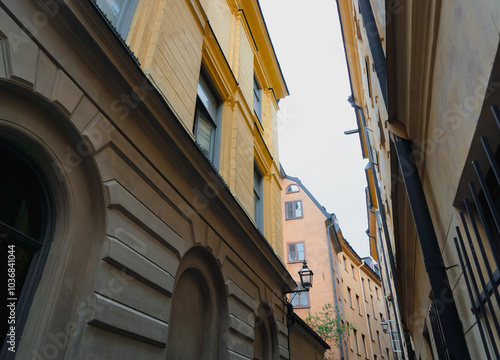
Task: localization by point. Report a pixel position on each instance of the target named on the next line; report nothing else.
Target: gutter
(375, 44)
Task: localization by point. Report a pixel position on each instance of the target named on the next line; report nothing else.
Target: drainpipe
(381, 211)
(375, 43)
(332, 269)
(433, 260)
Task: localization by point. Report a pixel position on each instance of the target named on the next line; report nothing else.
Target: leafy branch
(328, 324)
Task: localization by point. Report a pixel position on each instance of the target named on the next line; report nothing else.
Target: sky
(311, 122)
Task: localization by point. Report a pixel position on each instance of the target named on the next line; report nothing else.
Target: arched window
(292, 188)
(265, 337)
(25, 230)
(199, 316)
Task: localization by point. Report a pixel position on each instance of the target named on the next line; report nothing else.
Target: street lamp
(306, 279)
(306, 276)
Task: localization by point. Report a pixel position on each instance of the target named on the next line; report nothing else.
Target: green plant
(328, 324)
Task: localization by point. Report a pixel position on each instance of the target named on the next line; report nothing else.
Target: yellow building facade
(424, 92)
(218, 54)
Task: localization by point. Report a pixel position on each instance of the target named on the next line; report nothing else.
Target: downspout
(433, 260)
(376, 48)
(381, 211)
(332, 269)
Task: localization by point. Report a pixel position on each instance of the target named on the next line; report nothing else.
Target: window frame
(363, 339)
(298, 296)
(257, 99)
(124, 20)
(206, 85)
(355, 333)
(39, 247)
(301, 210)
(288, 251)
(258, 190)
(292, 191)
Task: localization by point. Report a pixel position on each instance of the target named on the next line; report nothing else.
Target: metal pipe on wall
(433, 260)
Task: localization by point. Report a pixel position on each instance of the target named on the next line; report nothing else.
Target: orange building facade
(341, 276)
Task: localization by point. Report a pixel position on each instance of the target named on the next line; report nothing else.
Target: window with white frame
(206, 130)
(300, 299)
(296, 252)
(293, 210)
(292, 188)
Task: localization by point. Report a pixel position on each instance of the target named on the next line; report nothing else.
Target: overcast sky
(308, 42)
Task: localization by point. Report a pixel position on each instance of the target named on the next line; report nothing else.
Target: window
(345, 261)
(26, 228)
(352, 270)
(369, 326)
(357, 302)
(198, 290)
(379, 347)
(301, 299)
(120, 13)
(206, 131)
(376, 291)
(292, 188)
(257, 102)
(296, 252)
(258, 199)
(368, 77)
(349, 296)
(356, 347)
(373, 308)
(369, 285)
(363, 287)
(293, 210)
(364, 346)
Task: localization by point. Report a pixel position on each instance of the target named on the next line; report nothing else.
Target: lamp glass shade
(306, 276)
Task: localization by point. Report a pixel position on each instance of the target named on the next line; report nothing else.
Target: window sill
(296, 218)
(296, 261)
(302, 306)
